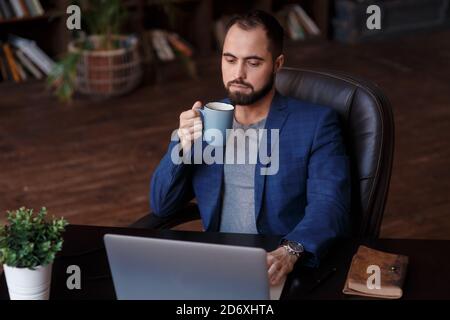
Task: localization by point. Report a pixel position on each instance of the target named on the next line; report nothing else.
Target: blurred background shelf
(46, 17)
(49, 30)
(194, 19)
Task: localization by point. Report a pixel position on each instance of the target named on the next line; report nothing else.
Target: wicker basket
(108, 72)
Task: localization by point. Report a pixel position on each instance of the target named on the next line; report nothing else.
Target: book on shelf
(34, 7)
(17, 8)
(163, 45)
(297, 24)
(6, 10)
(8, 64)
(24, 7)
(180, 44)
(22, 59)
(28, 64)
(20, 70)
(38, 6)
(11, 63)
(10, 9)
(305, 20)
(34, 53)
(295, 29)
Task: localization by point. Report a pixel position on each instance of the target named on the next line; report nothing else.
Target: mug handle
(202, 113)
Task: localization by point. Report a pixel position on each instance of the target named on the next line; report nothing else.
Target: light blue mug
(217, 118)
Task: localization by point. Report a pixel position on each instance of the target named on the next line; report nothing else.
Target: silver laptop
(159, 269)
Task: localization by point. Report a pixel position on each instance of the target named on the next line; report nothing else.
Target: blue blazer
(307, 201)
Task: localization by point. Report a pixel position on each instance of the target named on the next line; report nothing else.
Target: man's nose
(240, 71)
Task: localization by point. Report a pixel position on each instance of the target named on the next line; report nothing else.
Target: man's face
(248, 69)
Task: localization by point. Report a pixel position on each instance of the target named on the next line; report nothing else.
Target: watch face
(297, 247)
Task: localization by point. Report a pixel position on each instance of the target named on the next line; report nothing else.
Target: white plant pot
(28, 284)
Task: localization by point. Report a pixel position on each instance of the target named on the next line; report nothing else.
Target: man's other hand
(279, 264)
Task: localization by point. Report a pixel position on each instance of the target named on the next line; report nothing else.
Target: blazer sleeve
(328, 192)
(171, 184)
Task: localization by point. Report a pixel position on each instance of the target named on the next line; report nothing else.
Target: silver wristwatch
(293, 247)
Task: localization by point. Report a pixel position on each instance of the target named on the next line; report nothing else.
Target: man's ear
(279, 62)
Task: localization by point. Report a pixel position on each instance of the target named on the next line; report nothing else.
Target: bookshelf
(195, 18)
(46, 16)
(48, 29)
(195, 22)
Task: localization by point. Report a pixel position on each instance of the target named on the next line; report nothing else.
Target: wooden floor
(91, 161)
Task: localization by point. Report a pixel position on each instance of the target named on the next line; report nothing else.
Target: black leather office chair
(368, 129)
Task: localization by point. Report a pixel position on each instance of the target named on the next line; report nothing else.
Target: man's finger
(277, 278)
(281, 272)
(183, 132)
(195, 128)
(270, 260)
(196, 105)
(197, 135)
(273, 269)
(188, 115)
(191, 122)
(275, 281)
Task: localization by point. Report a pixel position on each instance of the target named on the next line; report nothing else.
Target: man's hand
(190, 126)
(280, 263)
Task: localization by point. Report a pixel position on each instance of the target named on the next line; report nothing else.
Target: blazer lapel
(275, 120)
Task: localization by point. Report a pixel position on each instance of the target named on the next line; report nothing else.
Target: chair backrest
(368, 130)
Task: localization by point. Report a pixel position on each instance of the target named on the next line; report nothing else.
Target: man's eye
(231, 60)
(254, 64)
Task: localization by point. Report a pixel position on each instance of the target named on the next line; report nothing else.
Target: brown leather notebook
(363, 278)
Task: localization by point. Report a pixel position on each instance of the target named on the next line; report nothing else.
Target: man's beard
(243, 99)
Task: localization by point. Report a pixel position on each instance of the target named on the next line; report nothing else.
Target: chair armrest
(150, 221)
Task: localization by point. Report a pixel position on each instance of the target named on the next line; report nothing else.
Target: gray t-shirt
(238, 193)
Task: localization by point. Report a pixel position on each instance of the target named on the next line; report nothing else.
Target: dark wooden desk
(428, 275)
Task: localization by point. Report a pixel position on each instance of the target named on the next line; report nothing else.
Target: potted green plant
(28, 245)
(103, 62)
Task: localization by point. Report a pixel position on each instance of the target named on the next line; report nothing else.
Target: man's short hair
(270, 24)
